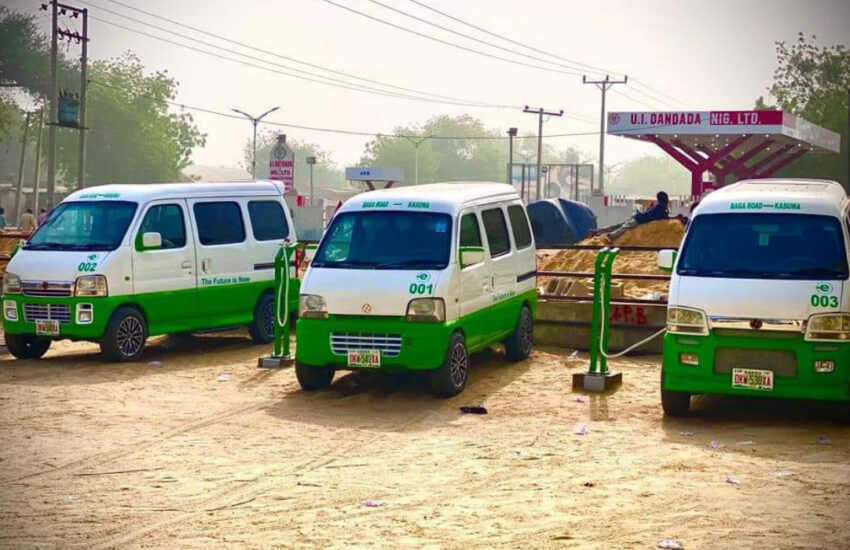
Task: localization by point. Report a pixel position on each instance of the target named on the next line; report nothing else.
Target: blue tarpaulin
(560, 221)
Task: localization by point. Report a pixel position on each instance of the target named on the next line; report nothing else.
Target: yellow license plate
(364, 358)
(47, 327)
(750, 379)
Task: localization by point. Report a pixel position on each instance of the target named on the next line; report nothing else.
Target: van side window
(470, 234)
(219, 223)
(167, 220)
(267, 220)
(497, 231)
(519, 225)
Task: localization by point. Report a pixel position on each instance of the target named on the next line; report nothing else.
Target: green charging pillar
(281, 356)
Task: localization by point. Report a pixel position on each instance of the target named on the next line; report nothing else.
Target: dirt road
(164, 455)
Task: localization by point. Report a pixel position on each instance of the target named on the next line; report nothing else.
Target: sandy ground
(96, 455)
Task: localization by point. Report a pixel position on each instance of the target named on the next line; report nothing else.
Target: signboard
(722, 123)
(369, 173)
(282, 165)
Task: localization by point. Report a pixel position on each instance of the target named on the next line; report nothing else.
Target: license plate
(365, 358)
(47, 328)
(752, 379)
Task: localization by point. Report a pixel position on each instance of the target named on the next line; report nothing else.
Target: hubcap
(459, 364)
(267, 319)
(526, 333)
(131, 336)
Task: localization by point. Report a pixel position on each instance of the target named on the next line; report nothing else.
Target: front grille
(782, 362)
(46, 288)
(47, 312)
(761, 333)
(388, 344)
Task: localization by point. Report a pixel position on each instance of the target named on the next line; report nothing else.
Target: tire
(262, 328)
(125, 336)
(519, 344)
(313, 378)
(674, 403)
(450, 379)
(27, 346)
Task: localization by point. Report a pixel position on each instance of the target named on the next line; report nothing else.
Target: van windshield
(386, 240)
(764, 246)
(84, 225)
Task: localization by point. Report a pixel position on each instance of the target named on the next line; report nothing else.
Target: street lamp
(254, 122)
(511, 136)
(311, 161)
(416, 143)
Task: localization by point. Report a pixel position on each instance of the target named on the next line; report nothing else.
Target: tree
(133, 136)
(326, 174)
(813, 82)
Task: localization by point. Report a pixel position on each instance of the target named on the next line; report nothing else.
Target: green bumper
(423, 345)
(804, 383)
(102, 308)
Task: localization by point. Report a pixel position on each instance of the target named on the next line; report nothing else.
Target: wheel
(450, 379)
(674, 403)
(262, 329)
(27, 346)
(519, 344)
(313, 378)
(125, 336)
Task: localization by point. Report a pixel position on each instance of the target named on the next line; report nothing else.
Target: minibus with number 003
(759, 301)
(418, 278)
(116, 264)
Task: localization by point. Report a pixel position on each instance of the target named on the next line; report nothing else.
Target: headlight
(426, 310)
(90, 285)
(11, 284)
(830, 326)
(311, 306)
(686, 321)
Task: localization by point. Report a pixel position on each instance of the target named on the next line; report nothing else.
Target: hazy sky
(710, 54)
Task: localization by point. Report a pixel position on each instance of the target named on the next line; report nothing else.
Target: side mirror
(151, 241)
(471, 255)
(666, 260)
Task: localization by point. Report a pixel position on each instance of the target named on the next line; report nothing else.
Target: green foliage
(456, 159)
(648, 175)
(813, 82)
(326, 174)
(133, 134)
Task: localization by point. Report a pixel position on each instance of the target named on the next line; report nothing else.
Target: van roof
(447, 197)
(142, 192)
(801, 196)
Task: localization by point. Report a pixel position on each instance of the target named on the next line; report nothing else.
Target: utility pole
(511, 135)
(37, 178)
(53, 119)
(604, 86)
(254, 122)
(311, 161)
(416, 143)
(84, 61)
(847, 141)
(19, 190)
(540, 112)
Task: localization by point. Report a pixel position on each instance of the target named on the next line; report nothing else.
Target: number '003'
(824, 301)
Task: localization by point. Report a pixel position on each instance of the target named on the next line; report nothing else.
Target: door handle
(205, 265)
(186, 265)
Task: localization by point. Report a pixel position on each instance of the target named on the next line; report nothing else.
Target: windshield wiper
(344, 263)
(46, 246)
(408, 263)
(818, 272)
(90, 246)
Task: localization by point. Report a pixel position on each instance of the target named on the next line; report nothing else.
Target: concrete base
(595, 382)
(272, 362)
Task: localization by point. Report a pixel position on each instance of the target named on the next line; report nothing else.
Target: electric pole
(84, 84)
(511, 135)
(604, 86)
(416, 143)
(254, 121)
(540, 112)
(37, 178)
(311, 161)
(53, 118)
(19, 189)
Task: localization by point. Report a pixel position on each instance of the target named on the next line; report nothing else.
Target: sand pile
(666, 233)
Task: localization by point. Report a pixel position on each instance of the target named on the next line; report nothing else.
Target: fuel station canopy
(743, 144)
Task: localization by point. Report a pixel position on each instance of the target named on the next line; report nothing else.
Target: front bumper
(805, 383)
(423, 345)
(101, 308)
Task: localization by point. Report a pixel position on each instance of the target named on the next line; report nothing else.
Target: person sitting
(658, 211)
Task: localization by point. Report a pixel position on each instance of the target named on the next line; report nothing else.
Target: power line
(336, 130)
(275, 54)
